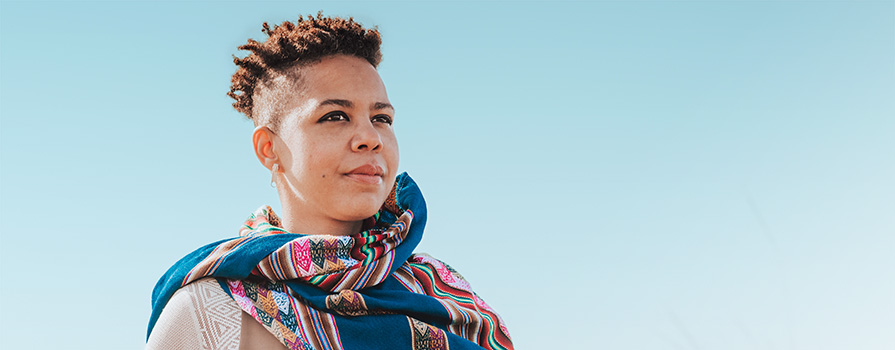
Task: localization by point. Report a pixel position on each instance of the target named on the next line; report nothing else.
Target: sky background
(612, 175)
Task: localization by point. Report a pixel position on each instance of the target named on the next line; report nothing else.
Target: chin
(360, 208)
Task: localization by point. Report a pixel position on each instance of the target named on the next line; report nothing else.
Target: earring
(273, 175)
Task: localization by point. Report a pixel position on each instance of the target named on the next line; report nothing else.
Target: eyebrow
(348, 104)
(383, 105)
(337, 102)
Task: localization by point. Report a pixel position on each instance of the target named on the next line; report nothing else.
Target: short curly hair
(296, 44)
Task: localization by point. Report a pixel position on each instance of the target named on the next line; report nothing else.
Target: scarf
(363, 291)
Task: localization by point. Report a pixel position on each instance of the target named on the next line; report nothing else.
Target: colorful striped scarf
(363, 291)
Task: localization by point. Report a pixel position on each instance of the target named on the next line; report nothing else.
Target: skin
(336, 117)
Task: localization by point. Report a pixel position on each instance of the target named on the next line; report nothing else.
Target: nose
(366, 138)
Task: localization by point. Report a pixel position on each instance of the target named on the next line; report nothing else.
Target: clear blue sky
(608, 175)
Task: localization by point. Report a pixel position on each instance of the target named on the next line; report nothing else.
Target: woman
(336, 271)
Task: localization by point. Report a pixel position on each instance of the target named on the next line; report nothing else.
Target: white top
(202, 316)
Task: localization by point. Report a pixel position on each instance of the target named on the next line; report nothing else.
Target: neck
(296, 218)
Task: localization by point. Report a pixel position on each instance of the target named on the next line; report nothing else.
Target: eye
(382, 118)
(335, 116)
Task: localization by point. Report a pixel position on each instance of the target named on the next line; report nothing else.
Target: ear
(262, 140)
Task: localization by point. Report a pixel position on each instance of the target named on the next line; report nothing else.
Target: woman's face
(335, 143)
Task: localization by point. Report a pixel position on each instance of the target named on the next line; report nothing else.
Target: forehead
(342, 77)
(299, 89)
(342, 74)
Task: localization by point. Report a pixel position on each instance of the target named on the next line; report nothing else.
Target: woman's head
(323, 117)
(289, 44)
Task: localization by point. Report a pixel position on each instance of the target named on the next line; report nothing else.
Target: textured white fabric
(199, 316)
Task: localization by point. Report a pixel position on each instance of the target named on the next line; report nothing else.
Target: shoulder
(198, 298)
(439, 280)
(204, 290)
(200, 315)
(436, 268)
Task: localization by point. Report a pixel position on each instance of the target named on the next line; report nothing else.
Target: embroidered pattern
(426, 337)
(274, 308)
(347, 303)
(471, 317)
(218, 318)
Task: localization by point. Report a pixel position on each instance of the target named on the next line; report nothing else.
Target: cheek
(312, 158)
(395, 159)
(393, 154)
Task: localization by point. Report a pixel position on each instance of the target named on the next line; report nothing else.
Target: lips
(367, 174)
